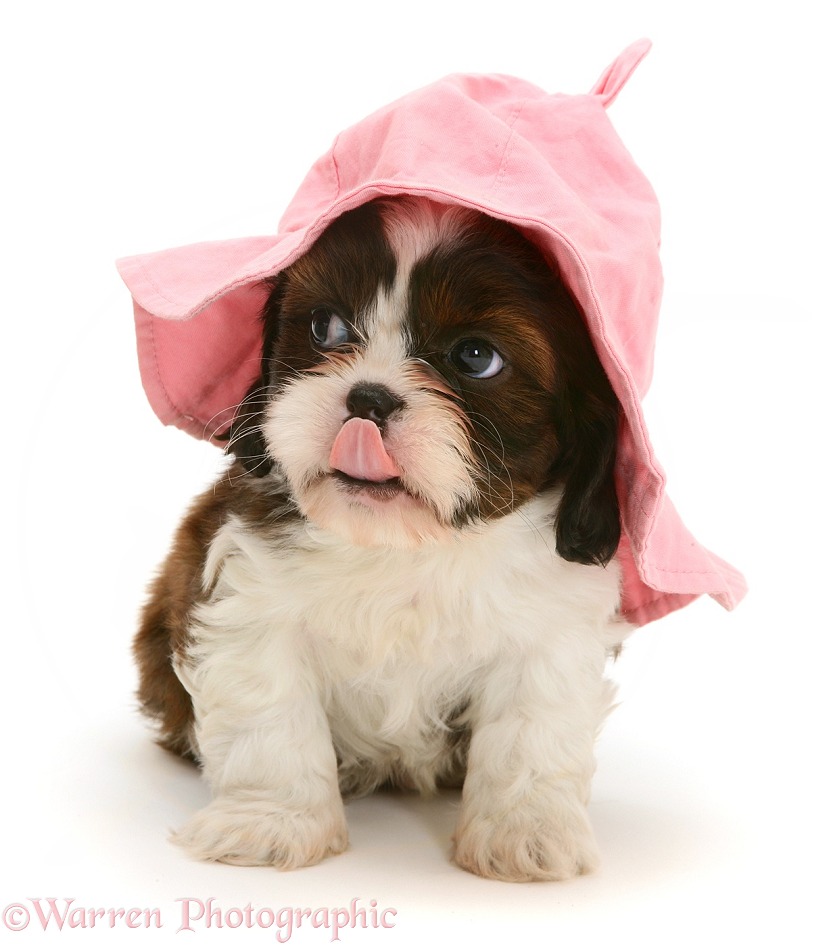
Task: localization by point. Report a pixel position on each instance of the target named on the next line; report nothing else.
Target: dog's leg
(523, 814)
(265, 746)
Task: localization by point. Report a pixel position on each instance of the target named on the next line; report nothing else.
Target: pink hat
(553, 166)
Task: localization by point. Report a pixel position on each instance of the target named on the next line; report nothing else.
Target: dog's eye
(329, 330)
(476, 358)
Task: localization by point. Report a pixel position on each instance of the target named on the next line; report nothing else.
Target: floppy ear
(588, 520)
(245, 436)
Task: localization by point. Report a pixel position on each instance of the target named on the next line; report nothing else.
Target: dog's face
(424, 368)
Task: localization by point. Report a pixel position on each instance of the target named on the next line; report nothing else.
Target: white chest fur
(391, 642)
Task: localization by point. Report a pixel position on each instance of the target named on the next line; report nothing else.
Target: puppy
(407, 575)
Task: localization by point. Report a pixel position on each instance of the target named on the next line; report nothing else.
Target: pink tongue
(358, 451)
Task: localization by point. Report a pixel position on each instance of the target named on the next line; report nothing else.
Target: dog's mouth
(362, 468)
(369, 490)
(379, 490)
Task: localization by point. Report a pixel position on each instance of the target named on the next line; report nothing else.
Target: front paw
(536, 843)
(250, 829)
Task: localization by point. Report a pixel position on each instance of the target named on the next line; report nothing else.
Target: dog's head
(424, 368)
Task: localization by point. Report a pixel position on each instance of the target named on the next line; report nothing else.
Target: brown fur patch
(165, 620)
(489, 283)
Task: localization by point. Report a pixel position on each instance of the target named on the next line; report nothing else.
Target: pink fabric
(553, 166)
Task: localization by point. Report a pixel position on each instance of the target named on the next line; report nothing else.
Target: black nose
(372, 402)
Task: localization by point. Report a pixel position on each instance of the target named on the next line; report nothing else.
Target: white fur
(363, 649)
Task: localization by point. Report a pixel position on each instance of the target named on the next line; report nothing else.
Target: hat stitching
(508, 150)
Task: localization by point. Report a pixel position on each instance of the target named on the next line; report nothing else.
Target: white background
(132, 127)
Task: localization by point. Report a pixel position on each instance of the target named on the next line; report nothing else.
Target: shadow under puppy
(407, 576)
